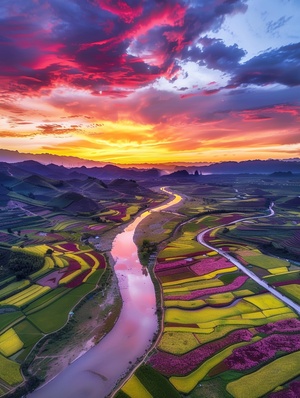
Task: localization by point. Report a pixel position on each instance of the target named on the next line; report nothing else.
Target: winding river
(96, 373)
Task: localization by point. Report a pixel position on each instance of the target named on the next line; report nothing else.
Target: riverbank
(89, 324)
(129, 339)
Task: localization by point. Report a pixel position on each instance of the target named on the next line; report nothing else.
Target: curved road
(234, 261)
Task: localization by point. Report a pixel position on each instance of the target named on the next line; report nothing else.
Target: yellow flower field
(26, 295)
(202, 284)
(208, 314)
(265, 301)
(14, 286)
(130, 211)
(279, 270)
(239, 321)
(184, 245)
(69, 277)
(80, 260)
(59, 261)
(220, 298)
(264, 261)
(291, 290)
(192, 304)
(10, 343)
(276, 311)
(178, 343)
(185, 384)
(209, 275)
(38, 250)
(266, 379)
(243, 293)
(188, 329)
(135, 389)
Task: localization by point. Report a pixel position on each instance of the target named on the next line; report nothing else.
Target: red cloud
(121, 9)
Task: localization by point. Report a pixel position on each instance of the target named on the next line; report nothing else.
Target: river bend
(96, 373)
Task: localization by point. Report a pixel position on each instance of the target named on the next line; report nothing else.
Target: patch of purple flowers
(209, 265)
(284, 326)
(261, 351)
(293, 391)
(170, 364)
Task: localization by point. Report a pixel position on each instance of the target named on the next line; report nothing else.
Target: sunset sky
(151, 80)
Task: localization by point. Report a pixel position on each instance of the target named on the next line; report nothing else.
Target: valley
(60, 294)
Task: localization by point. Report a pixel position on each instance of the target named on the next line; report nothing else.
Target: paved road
(234, 261)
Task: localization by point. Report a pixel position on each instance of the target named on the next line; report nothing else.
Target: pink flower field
(261, 351)
(78, 279)
(73, 266)
(293, 391)
(284, 326)
(170, 365)
(70, 247)
(168, 266)
(174, 271)
(209, 265)
(236, 284)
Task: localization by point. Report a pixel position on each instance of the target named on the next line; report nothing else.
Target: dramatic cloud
(275, 66)
(163, 79)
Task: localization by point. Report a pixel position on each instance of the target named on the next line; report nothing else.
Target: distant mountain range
(253, 167)
(65, 167)
(71, 189)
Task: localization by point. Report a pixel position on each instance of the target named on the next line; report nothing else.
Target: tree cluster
(23, 264)
(147, 248)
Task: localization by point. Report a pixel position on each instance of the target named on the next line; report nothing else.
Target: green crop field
(10, 371)
(55, 315)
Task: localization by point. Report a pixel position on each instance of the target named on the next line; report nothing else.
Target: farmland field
(52, 264)
(220, 330)
(206, 302)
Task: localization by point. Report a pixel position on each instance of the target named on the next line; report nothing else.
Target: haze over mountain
(110, 172)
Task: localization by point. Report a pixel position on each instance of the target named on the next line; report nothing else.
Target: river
(96, 373)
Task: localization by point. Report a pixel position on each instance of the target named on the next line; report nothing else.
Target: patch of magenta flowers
(170, 265)
(236, 284)
(209, 265)
(69, 246)
(292, 392)
(284, 326)
(170, 364)
(261, 351)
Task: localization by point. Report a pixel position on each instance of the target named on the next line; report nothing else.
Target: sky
(151, 81)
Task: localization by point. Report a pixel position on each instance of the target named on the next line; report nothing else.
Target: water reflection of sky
(95, 373)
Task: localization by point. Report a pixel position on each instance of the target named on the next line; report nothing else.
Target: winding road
(234, 261)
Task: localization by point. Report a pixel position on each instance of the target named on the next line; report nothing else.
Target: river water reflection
(95, 374)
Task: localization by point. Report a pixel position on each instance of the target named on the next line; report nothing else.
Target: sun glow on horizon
(161, 82)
